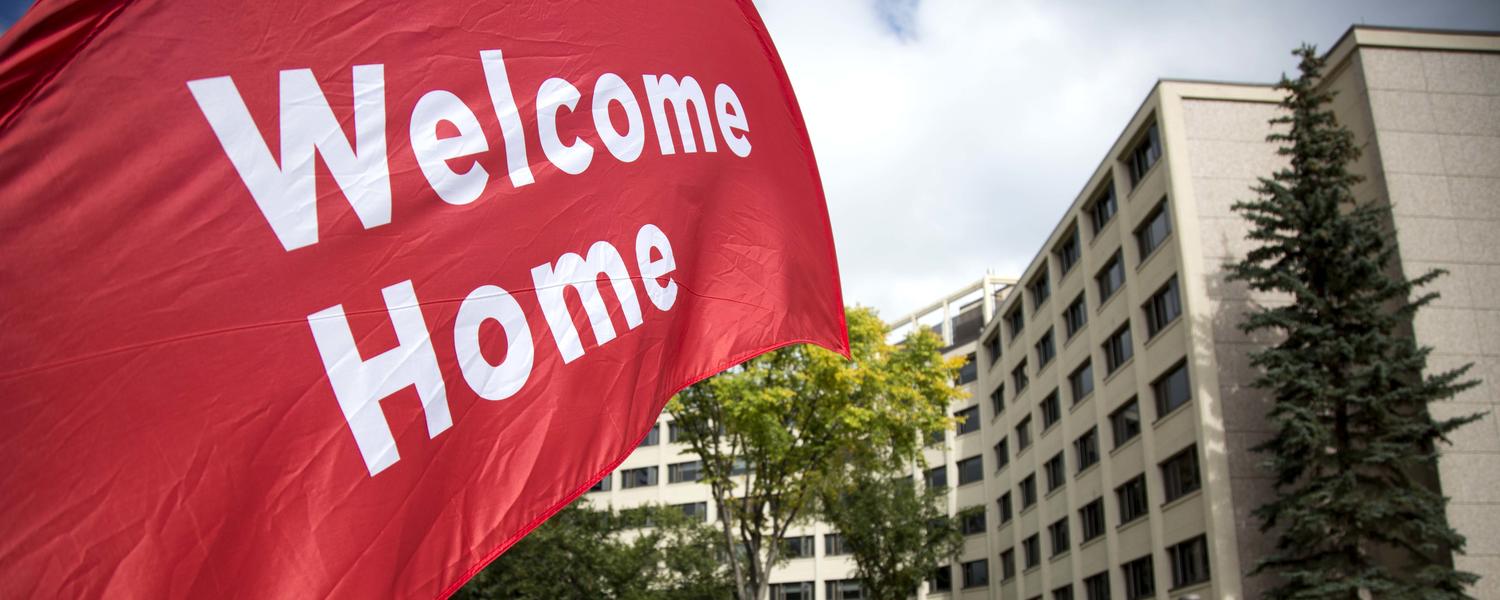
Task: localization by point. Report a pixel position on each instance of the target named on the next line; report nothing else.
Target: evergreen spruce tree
(1352, 431)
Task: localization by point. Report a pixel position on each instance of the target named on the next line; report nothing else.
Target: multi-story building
(1108, 432)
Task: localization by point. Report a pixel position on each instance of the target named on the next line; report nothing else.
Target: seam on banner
(584, 488)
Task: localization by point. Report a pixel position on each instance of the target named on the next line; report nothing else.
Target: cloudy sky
(952, 134)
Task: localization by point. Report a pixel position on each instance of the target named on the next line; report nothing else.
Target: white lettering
(626, 147)
(648, 238)
(504, 102)
(730, 122)
(665, 88)
(493, 382)
(433, 154)
(554, 94)
(583, 274)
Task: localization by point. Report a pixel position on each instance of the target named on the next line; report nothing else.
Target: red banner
(342, 298)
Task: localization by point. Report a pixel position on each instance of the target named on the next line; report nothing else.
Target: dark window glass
(686, 471)
(1102, 210)
(1179, 474)
(1051, 410)
(969, 420)
(1046, 350)
(1140, 579)
(1096, 587)
(1067, 252)
(1111, 278)
(1016, 320)
(694, 510)
(738, 467)
(1171, 390)
(1132, 497)
(844, 589)
(801, 590)
(1028, 491)
(936, 477)
(1118, 349)
(674, 432)
(1126, 422)
(1058, 533)
(971, 520)
(1007, 564)
(1081, 381)
(634, 478)
(1086, 449)
(1063, 593)
(1075, 316)
(1023, 434)
(992, 347)
(833, 544)
(1145, 155)
(603, 484)
(967, 324)
(1163, 308)
(941, 579)
(1189, 562)
(1091, 519)
(1002, 453)
(653, 436)
(1004, 507)
(969, 372)
(1154, 231)
(1056, 472)
(997, 400)
(1018, 377)
(1040, 288)
(1032, 548)
(797, 547)
(976, 573)
(971, 469)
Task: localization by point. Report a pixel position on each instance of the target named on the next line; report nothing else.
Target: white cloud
(950, 143)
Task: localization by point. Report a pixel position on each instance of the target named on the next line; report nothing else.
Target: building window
(1046, 350)
(674, 432)
(603, 484)
(1118, 349)
(971, 469)
(833, 544)
(1032, 548)
(1145, 155)
(936, 478)
(1040, 288)
(1007, 564)
(1132, 497)
(1081, 381)
(1125, 422)
(1171, 390)
(941, 580)
(1096, 587)
(1154, 231)
(967, 324)
(1058, 533)
(1163, 308)
(685, 471)
(1023, 434)
(1067, 252)
(694, 510)
(1017, 321)
(1056, 472)
(971, 521)
(801, 590)
(844, 589)
(1005, 509)
(1111, 278)
(1189, 562)
(739, 467)
(1179, 474)
(1140, 581)
(968, 420)
(1051, 410)
(969, 372)
(1063, 593)
(1028, 491)
(797, 547)
(1018, 377)
(1086, 449)
(653, 436)
(1103, 208)
(992, 347)
(976, 573)
(997, 400)
(1002, 453)
(634, 478)
(1075, 316)
(1091, 518)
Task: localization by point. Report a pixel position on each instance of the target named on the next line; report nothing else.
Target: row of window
(683, 472)
(838, 589)
(1188, 560)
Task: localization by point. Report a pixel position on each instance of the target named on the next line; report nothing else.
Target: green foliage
(801, 420)
(897, 533)
(1353, 435)
(638, 554)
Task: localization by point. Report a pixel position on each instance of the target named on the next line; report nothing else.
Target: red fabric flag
(342, 298)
